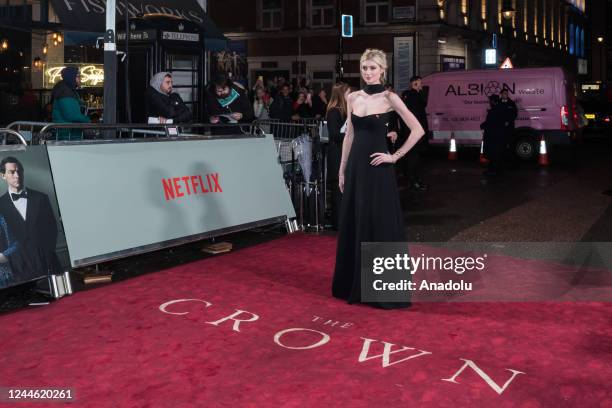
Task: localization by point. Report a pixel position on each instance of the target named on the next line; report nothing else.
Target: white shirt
(21, 205)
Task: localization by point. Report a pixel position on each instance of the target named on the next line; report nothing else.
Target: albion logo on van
(473, 89)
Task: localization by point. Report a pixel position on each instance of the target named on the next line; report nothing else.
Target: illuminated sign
(92, 75)
(590, 87)
(142, 35)
(452, 63)
(490, 56)
(170, 35)
(583, 66)
(347, 25)
(507, 64)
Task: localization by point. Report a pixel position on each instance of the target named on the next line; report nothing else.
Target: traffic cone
(483, 159)
(452, 149)
(543, 159)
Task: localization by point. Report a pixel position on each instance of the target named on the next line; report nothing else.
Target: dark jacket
(416, 104)
(318, 106)
(511, 111)
(282, 108)
(335, 121)
(36, 236)
(241, 104)
(495, 136)
(67, 108)
(303, 110)
(166, 106)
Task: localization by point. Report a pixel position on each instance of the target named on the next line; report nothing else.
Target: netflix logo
(177, 187)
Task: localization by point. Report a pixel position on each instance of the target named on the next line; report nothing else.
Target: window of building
(566, 31)
(559, 23)
(577, 43)
(441, 6)
(376, 11)
(544, 21)
(322, 13)
(535, 19)
(271, 14)
(500, 21)
(571, 38)
(554, 21)
(526, 19)
(465, 12)
(579, 4)
(483, 13)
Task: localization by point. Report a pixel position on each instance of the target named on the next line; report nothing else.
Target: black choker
(373, 89)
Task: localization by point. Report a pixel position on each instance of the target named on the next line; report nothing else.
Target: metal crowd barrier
(284, 134)
(310, 209)
(29, 129)
(39, 132)
(5, 133)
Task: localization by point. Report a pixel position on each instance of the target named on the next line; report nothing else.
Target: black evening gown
(370, 211)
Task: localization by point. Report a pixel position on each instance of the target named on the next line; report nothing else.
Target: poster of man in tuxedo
(28, 228)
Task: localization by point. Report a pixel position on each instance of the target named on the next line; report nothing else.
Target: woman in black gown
(371, 210)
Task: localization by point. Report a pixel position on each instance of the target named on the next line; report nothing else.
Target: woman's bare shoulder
(391, 95)
(354, 95)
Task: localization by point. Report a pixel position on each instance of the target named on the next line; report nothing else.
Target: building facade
(600, 46)
(301, 38)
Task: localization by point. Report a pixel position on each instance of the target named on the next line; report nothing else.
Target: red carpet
(116, 348)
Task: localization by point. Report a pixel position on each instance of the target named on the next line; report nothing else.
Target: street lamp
(600, 39)
(507, 10)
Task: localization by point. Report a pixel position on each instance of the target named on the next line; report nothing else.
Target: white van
(457, 102)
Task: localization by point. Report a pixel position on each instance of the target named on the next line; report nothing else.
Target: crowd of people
(228, 102)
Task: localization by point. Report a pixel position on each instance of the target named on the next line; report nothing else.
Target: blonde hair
(377, 56)
(338, 99)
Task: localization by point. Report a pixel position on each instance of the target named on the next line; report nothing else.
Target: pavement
(560, 203)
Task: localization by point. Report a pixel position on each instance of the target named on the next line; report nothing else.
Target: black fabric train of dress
(371, 210)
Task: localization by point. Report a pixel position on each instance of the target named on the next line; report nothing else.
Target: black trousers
(412, 165)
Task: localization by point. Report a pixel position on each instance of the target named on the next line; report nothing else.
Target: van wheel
(525, 149)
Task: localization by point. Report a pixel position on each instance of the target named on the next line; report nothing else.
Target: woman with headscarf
(67, 104)
(163, 104)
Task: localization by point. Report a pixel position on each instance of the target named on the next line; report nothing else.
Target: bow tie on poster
(16, 197)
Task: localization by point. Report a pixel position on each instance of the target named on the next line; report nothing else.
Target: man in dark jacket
(162, 104)
(67, 104)
(282, 105)
(415, 101)
(510, 106)
(30, 219)
(227, 102)
(495, 136)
